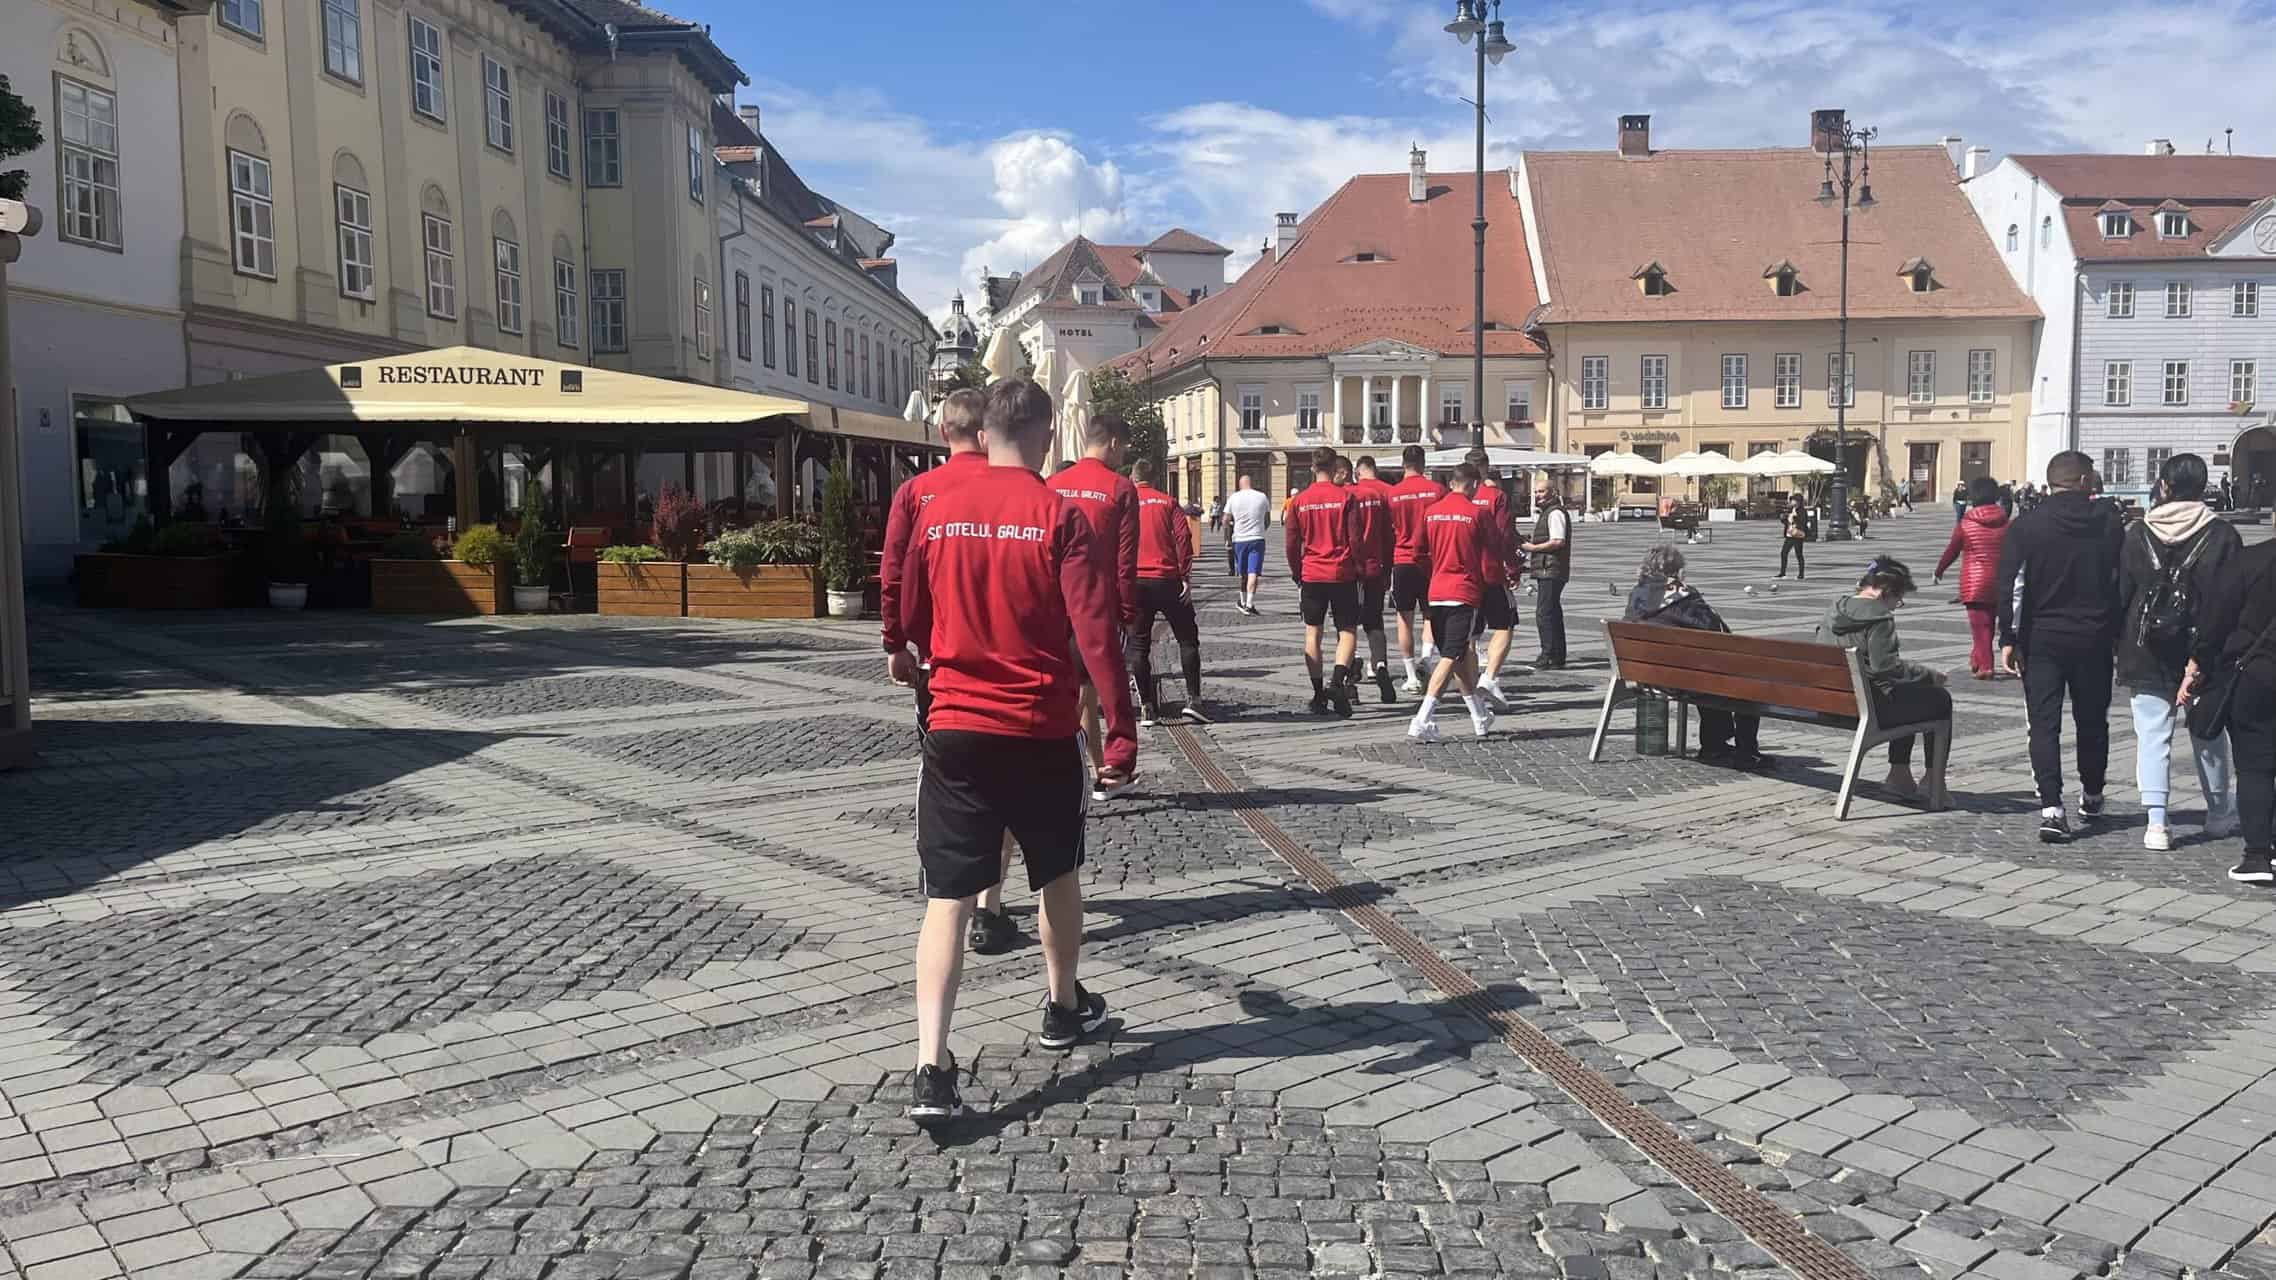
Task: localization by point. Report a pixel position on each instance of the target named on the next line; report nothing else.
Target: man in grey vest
(1550, 557)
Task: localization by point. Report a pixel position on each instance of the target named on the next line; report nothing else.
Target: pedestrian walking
(1462, 554)
(1216, 513)
(1976, 542)
(1801, 525)
(2174, 561)
(2007, 498)
(1550, 556)
(2059, 609)
(1323, 534)
(1903, 692)
(1411, 501)
(1498, 614)
(1248, 514)
(1165, 590)
(1960, 499)
(1377, 544)
(2230, 685)
(1095, 486)
(1001, 752)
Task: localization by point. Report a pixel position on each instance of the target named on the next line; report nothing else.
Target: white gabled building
(2157, 274)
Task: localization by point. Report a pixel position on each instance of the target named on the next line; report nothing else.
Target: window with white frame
(608, 308)
(789, 334)
(1920, 377)
(1734, 382)
(1841, 379)
(2117, 466)
(696, 165)
(1653, 382)
(830, 349)
(252, 216)
(565, 308)
(2172, 224)
(813, 347)
(2117, 225)
(604, 152)
(2244, 299)
(702, 318)
(2118, 383)
(442, 267)
(497, 103)
(1786, 377)
(88, 155)
(1379, 407)
(2177, 382)
(865, 366)
(1308, 411)
(2244, 381)
(742, 315)
(506, 259)
(1982, 364)
(2177, 300)
(352, 213)
(848, 331)
(344, 39)
(1517, 400)
(1089, 295)
(241, 16)
(2157, 458)
(2121, 300)
(1252, 411)
(1453, 404)
(766, 325)
(1596, 382)
(556, 135)
(428, 96)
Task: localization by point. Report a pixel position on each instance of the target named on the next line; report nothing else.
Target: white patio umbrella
(1709, 462)
(1001, 360)
(916, 410)
(1624, 464)
(1075, 409)
(1791, 463)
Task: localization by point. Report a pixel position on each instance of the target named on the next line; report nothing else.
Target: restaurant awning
(467, 386)
(832, 420)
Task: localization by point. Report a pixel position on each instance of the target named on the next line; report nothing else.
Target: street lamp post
(1854, 144)
(1493, 48)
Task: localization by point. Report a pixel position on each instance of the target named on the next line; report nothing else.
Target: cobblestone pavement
(576, 947)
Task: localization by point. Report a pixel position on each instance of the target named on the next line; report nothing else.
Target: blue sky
(987, 134)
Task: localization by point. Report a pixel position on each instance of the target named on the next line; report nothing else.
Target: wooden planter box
(440, 586)
(110, 580)
(768, 591)
(657, 589)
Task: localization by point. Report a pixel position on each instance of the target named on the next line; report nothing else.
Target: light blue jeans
(2154, 723)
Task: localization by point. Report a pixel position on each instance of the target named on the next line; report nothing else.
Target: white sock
(1477, 704)
(2052, 811)
(1427, 713)
(1409, 663)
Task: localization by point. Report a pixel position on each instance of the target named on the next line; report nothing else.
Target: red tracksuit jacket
(1323, 534)
(1502, 566)
(1108, 499)
(997, 573)
(1460, 547)
(908, 500)
(1377, 539)
(1411, 499)
(1165, 540)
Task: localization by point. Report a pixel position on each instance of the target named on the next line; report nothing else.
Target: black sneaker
(2053, 829)
(1149, 717)
(2255, 869)
(1384, 687)
(1064, 1028)
(993, 933)
(1319, 702)
(933, 1099)
(1192, 713)
(2089, 808)
(1339, 699)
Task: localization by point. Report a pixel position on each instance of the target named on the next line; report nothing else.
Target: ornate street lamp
(1852, 189)
(1492, 48)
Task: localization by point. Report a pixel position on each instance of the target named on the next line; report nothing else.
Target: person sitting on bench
(1903, 692)
(1662, 597)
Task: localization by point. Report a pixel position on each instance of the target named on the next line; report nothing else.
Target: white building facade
(2157, 275)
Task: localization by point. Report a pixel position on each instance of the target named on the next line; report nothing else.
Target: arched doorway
(1855, 455)
(2253, 467)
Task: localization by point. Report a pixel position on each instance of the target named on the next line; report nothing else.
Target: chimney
(1973, 167)
(1951, 144)
(1635, 137)
(750, 113)
(1418, 178)
(1284, 235)
(2158, 147)
(1825, 129)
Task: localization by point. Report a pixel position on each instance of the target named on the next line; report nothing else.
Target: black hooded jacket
(2058, 574)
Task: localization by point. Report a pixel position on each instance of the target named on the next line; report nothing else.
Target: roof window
(2173, 224)
(1785, 280)
(2117, 224)
(1652, 279)
(1920, 275)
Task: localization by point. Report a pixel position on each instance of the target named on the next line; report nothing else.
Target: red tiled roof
(1418, 290)
(2217, 192)
(1180, 240)
(1712, 219)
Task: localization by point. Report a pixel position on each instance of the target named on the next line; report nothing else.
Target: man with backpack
(2059, 613)
(2172, 559)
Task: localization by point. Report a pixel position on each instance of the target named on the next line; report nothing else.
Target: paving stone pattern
(734, 751)
(561, 694)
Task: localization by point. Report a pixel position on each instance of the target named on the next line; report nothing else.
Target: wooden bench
(1756, 676)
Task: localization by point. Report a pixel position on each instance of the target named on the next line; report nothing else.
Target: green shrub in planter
(770, 542)
(535, 545)
(408, 546)
(630, 555)
(182, 540)
(481, 546)
(841, 532)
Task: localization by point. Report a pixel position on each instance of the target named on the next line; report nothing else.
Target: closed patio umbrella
(1002, 358)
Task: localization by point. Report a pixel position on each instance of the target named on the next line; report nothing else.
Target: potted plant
(535, 547)
(177, 567)
(770, 570)
(639, 581)
(841, 544)
(284, 547)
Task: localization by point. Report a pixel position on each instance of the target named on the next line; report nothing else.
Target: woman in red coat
(1975, 544)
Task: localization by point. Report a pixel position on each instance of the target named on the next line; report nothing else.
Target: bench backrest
(1821, 678)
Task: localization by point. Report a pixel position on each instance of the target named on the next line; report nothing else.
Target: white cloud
(1048, 192)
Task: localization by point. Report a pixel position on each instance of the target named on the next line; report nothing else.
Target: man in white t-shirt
(1550, 556)
(1249, 514)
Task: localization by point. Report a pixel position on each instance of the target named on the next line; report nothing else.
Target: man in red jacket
(1411, 499)
(1462, 553)
(960, 430)
(998, 574)
(1323, 535)
(1165, 575)
(1096, 487)
(1498, 614)
(1375, 549)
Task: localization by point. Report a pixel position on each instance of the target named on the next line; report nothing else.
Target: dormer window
(2117, 224)
(1151, 299)
(1920, 275)
(1367, 256)
(1652, 279)
(1784, 280)
(2172, 224)
(1271, 330)
(1089, 295)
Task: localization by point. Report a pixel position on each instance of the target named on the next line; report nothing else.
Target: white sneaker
(1422, 731)
(2222, 828)
(1411, 687)
(1482, 722)
(2157, 839)
(1493, 689)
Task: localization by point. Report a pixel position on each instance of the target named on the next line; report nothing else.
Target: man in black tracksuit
(2059, 613)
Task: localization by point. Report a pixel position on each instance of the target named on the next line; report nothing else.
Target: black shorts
(1371, 593)
(1496, 614)
(1453, 625)
(1410, 587)
(1339, 598)
(976, 786)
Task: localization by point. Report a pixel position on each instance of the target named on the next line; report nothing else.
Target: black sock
(1316, 687)
(1343, 673)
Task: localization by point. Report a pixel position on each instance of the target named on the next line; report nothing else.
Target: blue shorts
(1248, 557)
